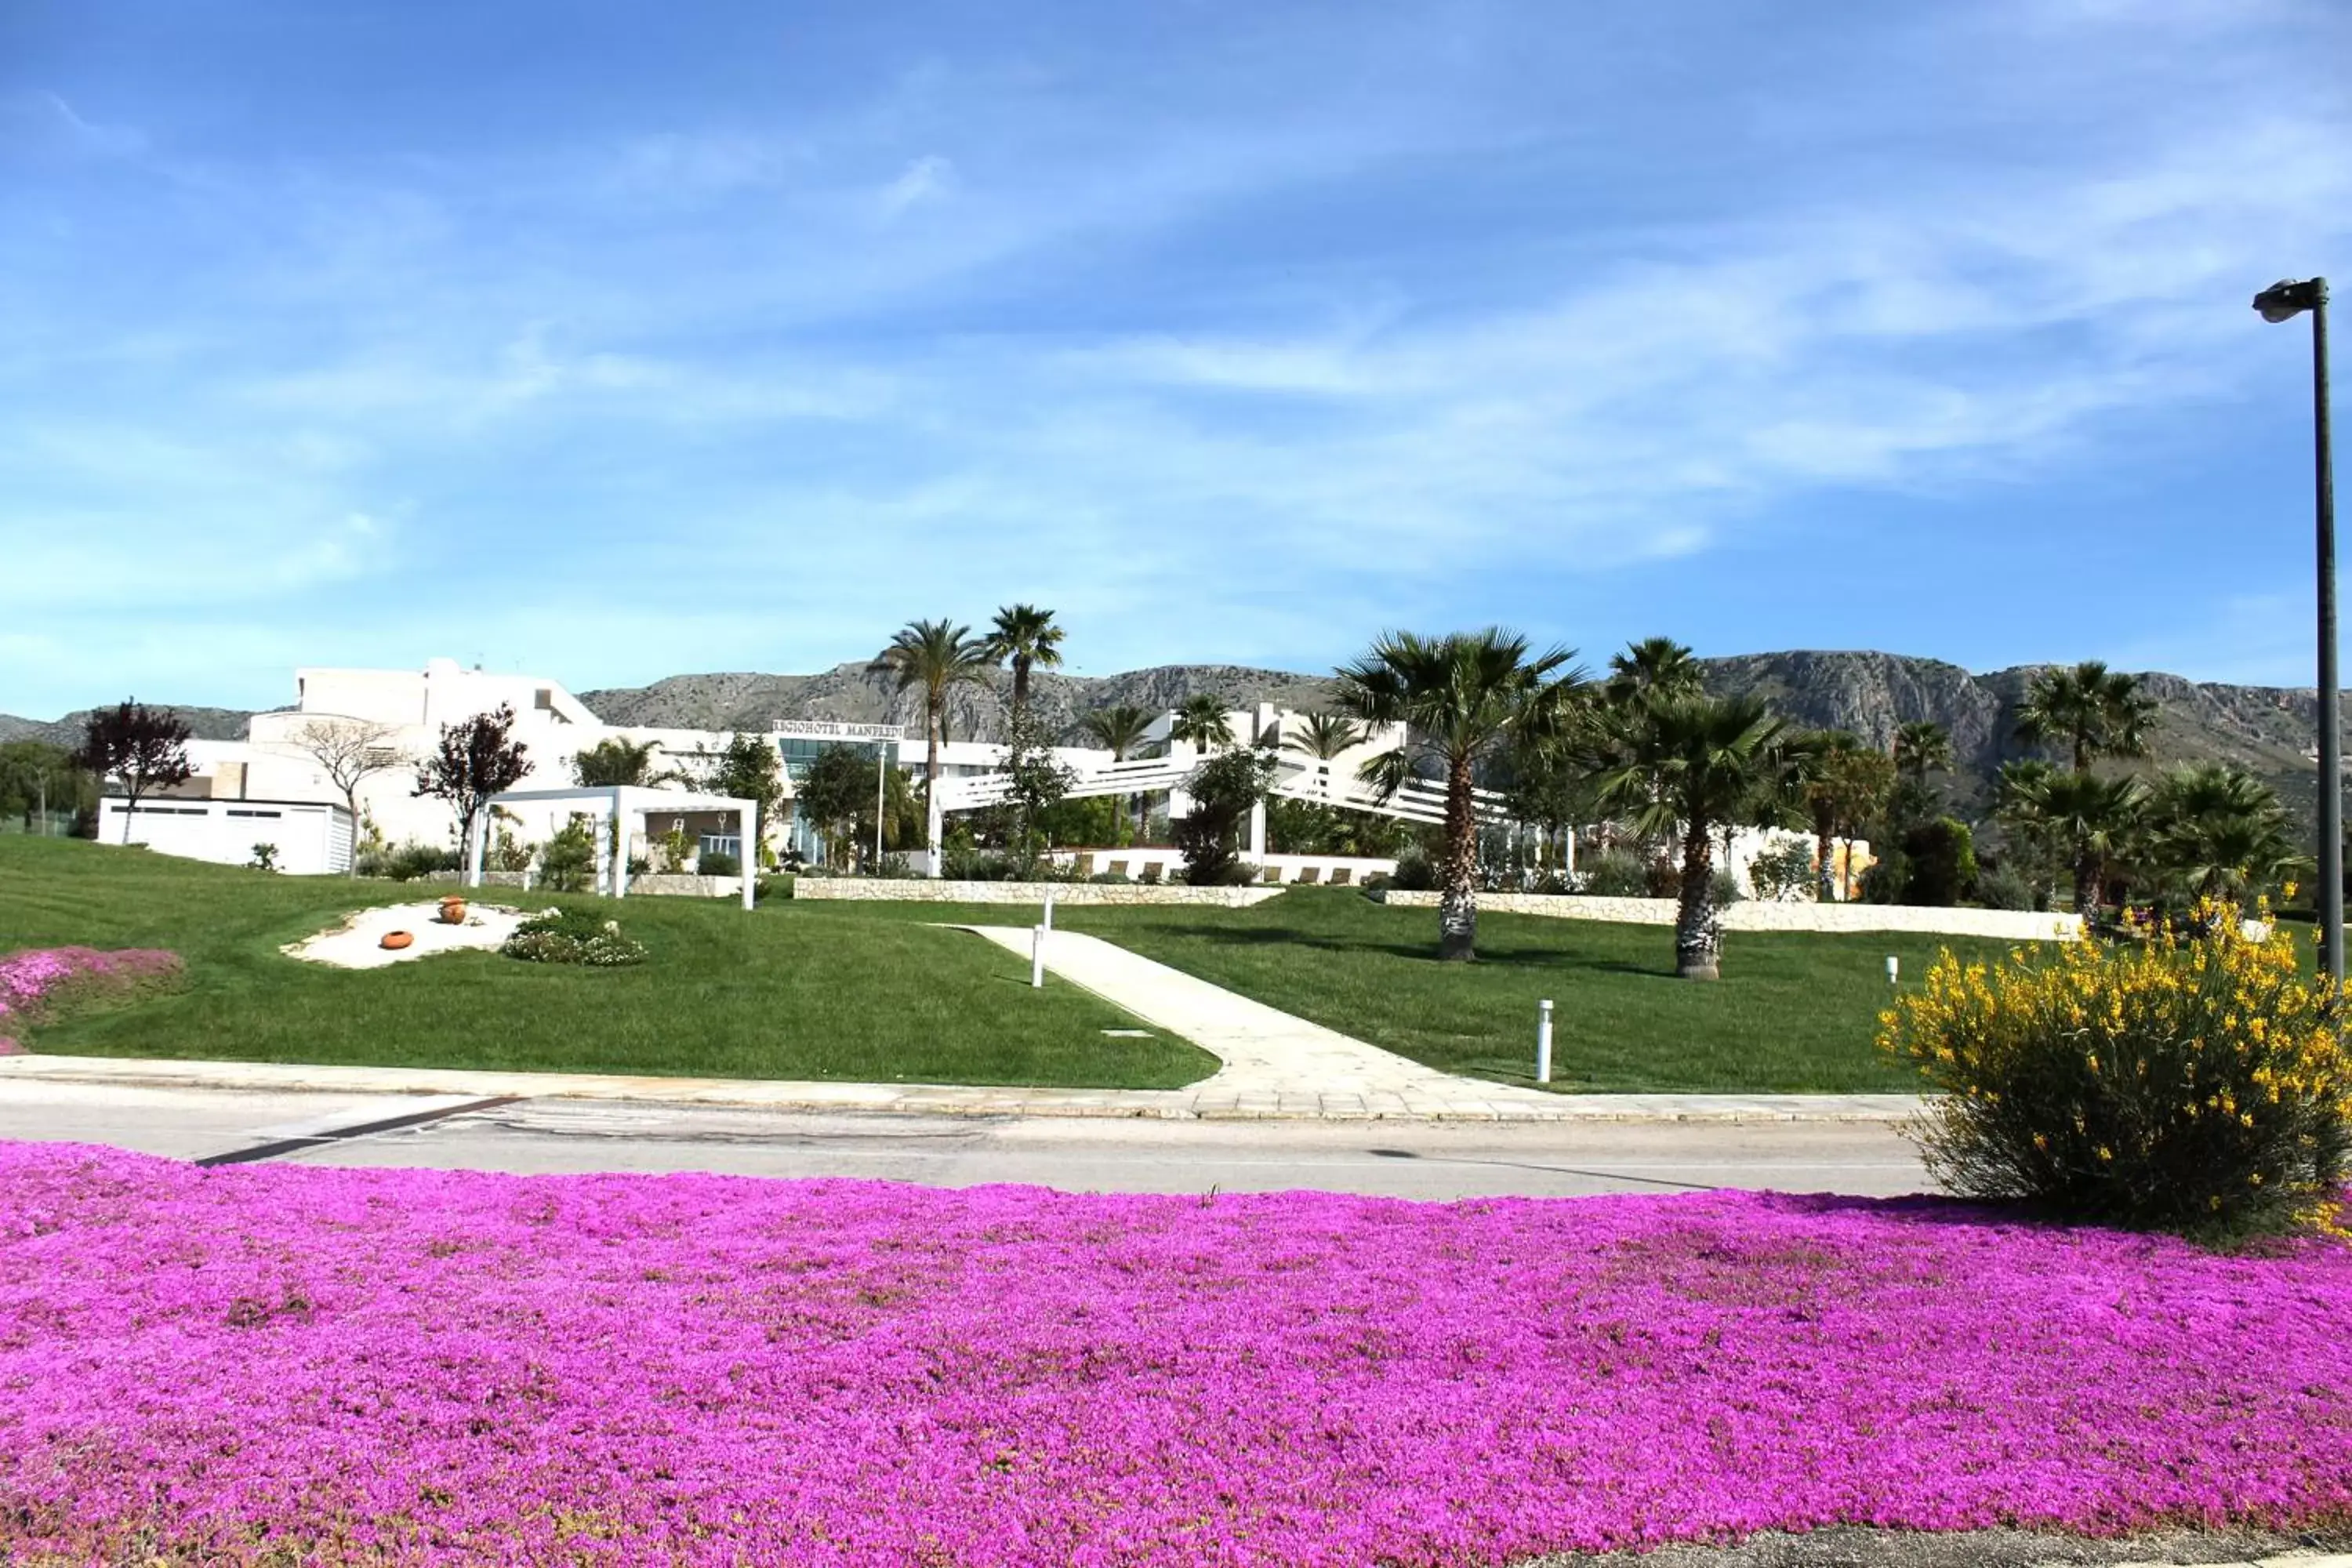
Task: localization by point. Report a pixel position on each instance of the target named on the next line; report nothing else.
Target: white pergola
(614, 805)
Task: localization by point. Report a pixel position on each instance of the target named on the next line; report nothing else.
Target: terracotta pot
(395, 940)
(453, 911)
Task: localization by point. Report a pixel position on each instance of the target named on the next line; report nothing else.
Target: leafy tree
(2217, 832)
(36, 776)
(350, 751)
(2095, 819)
(2090, 710)
(936, 657)
(836, 796)
(1463, 699)
(1028, 636)
(144, 748)
(1922, 747)
(620, 761)
(478, 758)
(1202, 721)
(1941, 863)
(1224, 789)
(1034, 783)
(1676, 763)
(1655, 664)
(1121, 732)
(749, 769)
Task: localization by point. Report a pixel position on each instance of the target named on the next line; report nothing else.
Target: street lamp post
(2282, 302)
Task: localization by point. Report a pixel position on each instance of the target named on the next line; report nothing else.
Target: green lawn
(791, 990)
(1794, 1011)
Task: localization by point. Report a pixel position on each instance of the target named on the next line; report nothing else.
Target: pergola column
(750, 846)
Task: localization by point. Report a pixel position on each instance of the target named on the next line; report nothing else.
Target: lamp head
(2289, 297)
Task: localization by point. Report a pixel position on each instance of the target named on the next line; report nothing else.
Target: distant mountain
(2265, 728)
(206, 723)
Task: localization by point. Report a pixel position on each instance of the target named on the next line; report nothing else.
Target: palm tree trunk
(933, 714)
(2086, 885)
(1824, 847)
(1699, 934)
(1457, 903)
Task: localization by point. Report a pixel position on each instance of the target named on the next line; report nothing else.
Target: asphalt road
(1415, 1160)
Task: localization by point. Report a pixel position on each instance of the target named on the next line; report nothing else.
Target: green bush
(2000, 887)
(713, 863)
(407, 862)
(1887, 877)
(567, 861)
(1942, 857)
(1615, 875)
(1785, 874)
(572, 936)
(1413, 873)
(1113, 879)
(2178, 1081)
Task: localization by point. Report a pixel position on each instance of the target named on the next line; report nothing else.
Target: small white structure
(613, 806)
(310, 837)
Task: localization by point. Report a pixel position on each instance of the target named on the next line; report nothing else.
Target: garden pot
(395, 940)
(453, 911)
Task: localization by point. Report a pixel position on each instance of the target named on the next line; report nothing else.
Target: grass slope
(789, 990)
(1794, 1011)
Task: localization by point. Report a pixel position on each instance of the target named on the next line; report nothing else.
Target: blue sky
(612, 342)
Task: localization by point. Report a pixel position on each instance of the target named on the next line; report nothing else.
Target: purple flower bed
(431, 1367)
(38, 983)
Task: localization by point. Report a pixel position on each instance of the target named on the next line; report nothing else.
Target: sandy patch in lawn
(358, 941)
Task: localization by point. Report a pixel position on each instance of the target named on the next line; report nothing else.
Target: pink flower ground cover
(300, 1364)
(36, 983)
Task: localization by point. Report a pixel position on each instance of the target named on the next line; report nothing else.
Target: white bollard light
(1038, 958)
(1543, 1042)
(1894, 969)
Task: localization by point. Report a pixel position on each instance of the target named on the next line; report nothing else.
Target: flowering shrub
(561, 936)
(2171, 1080)
(45, 982)
(293, 1363)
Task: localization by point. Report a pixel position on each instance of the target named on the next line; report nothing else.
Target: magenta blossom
(39, 983)
(298, 1363)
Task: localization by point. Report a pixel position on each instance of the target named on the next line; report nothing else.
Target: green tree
(2094, 820)
(1324, 736)
(1676, 763)
(1034, 783)
(2089, 711)
(836, 796)
(1463, 699)
(1224, 789)
(1202, 721)
(619, 761)
(143, 748)
(1655, 664)
(749, 769)
(1028, 636)
(935, 656)
(2217, 832)
(36, 776)
(1122, 731)
(1846, 784)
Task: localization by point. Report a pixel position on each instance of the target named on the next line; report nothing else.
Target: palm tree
(1324, 736)
(1922, 747)
(937, 656)
(2217, 832)
(1121, 732)
(1653, 663)
(1845, 784)
(1461, 698)
(2091, 710)
(2097, 819)
(1028, 636)
(1199, 721)
(1677, 762)
(621, 760)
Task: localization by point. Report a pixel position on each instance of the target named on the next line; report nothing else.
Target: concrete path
(1422, 1160)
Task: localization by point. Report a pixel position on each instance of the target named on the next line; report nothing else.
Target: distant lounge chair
(1310, 875)
(1343, 874)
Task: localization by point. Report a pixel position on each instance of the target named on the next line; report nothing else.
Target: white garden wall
(2003, 925)
(1064, 893)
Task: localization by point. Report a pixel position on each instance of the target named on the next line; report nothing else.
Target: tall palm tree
(1922, 747)
(1653, 663)
(1121, 732)
(620, 761)
(2096, 819)
(2091, 710)
(1200, 720)
(1028, 636)
(1463, 698)
(1677, 762)
(1324, 736)
(937, 656)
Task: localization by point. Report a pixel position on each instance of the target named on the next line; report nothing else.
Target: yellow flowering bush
(2178, 1078)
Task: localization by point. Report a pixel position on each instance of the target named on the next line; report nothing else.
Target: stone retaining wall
(677, 884)
(1064, 893)
(2004, 925)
